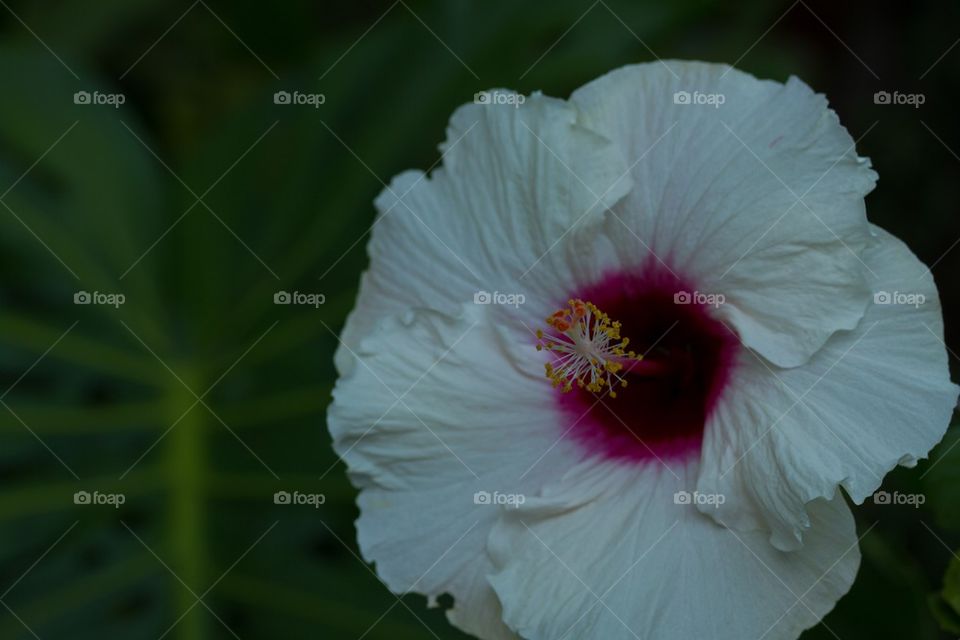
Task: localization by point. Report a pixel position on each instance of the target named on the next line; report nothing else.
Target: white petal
(717, 194)
(514, 180)
(608, 555)
(871, 399)
(435, 410)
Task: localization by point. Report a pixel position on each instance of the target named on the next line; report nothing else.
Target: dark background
(96, 202)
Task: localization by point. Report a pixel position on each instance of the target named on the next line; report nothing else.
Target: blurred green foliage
(946, 604)
(199, 198)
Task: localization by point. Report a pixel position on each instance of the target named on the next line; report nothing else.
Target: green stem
(185, 467)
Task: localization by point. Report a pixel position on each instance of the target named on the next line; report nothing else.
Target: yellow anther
(588, 347)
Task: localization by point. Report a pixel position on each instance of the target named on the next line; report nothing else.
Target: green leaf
(946, 604)
(941, 478)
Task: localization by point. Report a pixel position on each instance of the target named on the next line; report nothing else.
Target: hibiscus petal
(423, 428)
(608, 554)
(871, 399)
(759, 198)
(495, 217)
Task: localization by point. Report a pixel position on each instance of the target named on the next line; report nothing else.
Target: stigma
(589, 349)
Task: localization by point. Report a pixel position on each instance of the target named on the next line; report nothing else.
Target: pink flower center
(663, 397)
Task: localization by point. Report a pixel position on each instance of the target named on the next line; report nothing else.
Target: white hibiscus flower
(688, 489)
